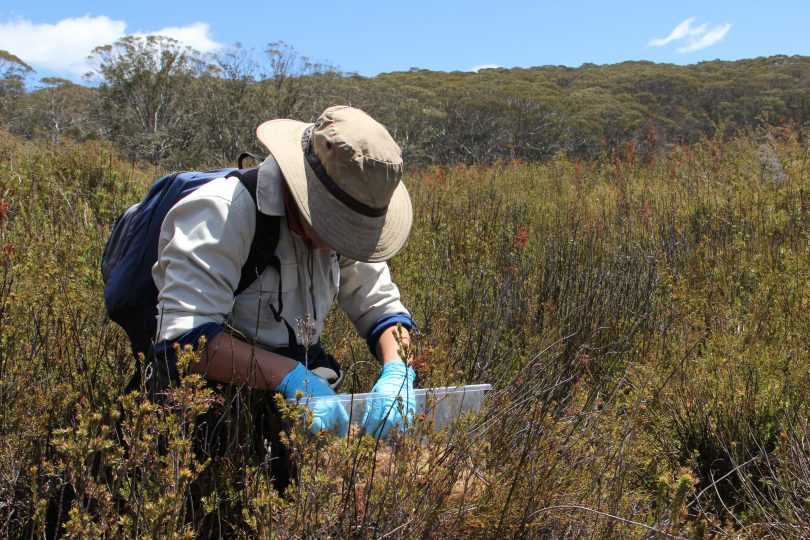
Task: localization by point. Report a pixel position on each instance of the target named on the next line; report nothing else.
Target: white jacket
(204, 240)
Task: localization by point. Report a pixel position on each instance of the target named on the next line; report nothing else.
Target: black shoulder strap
(245, 155)
(263, 248)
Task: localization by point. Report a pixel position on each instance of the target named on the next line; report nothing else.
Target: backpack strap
(263, 247)
(244, 155)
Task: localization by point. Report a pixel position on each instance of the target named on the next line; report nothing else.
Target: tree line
(159, 101)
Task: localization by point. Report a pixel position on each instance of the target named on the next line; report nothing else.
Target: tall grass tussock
(644, 321)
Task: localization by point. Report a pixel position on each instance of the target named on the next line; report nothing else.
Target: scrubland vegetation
(644, 318)
(161, 102)
(621, 251)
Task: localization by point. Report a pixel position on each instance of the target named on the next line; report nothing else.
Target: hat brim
(359, 237)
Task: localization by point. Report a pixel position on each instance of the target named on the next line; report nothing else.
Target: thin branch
(392, 531)
(605, 514)
(729, 473)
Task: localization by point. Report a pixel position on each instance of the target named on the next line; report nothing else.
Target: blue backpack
(130, 294)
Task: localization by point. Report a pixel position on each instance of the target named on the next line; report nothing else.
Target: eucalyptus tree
(57, 108)
(12, 82)
(148, 89)
(297, 85)
(232, 100)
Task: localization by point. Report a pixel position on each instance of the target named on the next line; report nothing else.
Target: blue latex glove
(326, 413)
(382, 414)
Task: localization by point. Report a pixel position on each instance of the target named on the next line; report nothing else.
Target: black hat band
(331, 186)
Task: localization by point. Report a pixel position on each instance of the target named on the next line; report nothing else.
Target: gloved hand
(326, 413)
(382, 414)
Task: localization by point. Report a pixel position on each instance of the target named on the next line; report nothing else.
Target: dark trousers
(248, 419)
(244, 426)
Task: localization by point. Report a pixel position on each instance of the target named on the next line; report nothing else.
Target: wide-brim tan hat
(344, 172)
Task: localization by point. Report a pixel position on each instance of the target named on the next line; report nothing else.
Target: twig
(729, 473)
(605, 514)
(392, 531)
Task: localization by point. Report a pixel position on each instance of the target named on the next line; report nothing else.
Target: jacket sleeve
(204, 240)
(368, 295)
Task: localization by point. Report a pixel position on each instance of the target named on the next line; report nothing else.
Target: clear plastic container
(447, 402)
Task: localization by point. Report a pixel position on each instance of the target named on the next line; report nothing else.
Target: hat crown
(358, 153)
(344, 173)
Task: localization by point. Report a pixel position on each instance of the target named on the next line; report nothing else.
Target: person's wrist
(292, 381)
(276, 369)
(399, 368)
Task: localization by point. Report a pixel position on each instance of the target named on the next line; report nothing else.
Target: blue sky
(55, 36)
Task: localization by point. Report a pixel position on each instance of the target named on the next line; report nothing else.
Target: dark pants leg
(246, 423)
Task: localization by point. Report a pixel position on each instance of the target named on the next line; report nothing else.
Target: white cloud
(693, 38)
(63, 47)
(715, 35)
(679, 32)
(484, 66)
(195, 35)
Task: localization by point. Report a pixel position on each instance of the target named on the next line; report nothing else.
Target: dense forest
(170, 105)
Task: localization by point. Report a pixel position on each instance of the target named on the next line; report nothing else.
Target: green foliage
(644, 319)
(58, 110)
(145, 93)
(173, 106)
(12, 81)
